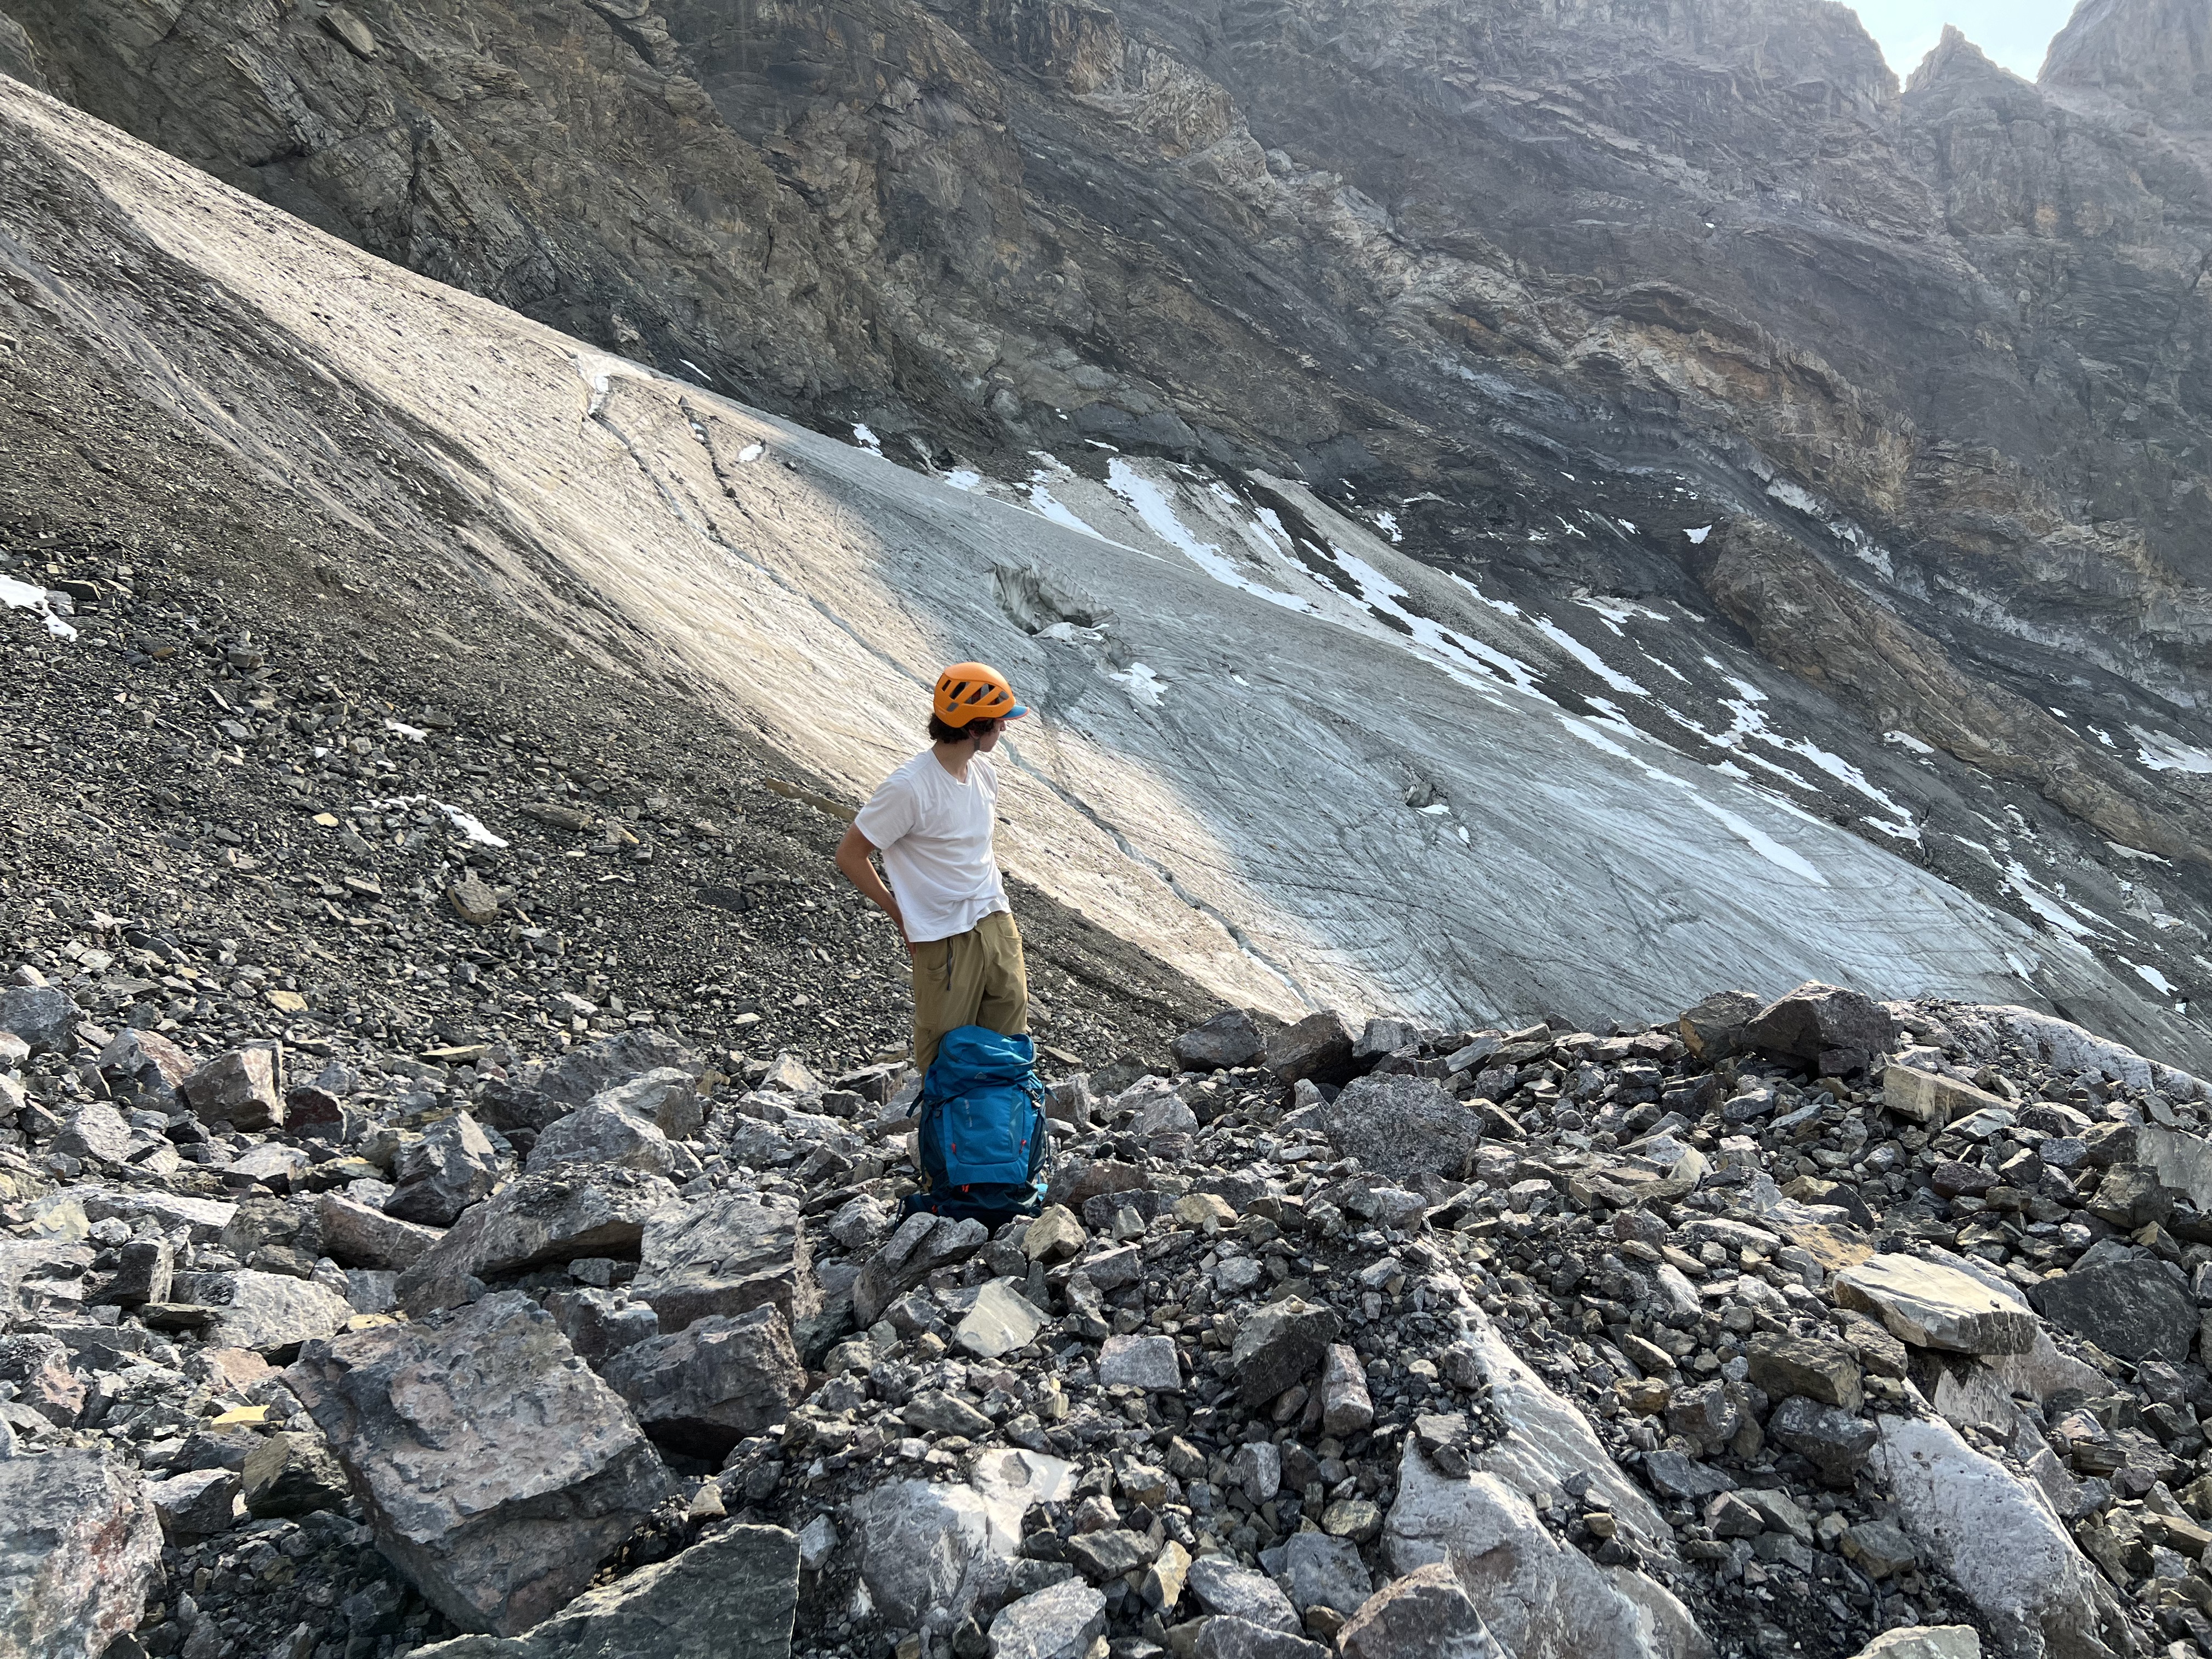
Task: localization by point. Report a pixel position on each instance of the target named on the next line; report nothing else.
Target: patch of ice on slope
(22, 596)
(2161, 753)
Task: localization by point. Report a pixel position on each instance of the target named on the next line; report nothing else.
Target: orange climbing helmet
(970, 691)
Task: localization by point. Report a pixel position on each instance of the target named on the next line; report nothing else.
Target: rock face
(733, 1597)
(80, 1552)
(496, 1467)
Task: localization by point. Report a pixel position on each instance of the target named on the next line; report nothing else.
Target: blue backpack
(982, 1142)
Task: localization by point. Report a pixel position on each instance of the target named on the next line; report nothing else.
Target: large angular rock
(1059, 1622)
(1230, 1039)
(495, 1468)
(292, 1475)
(734, 1595)
(1541, 1597)
(666, 1096)
(1279, 1346)
(1782, 1365)
(1000, 1321)
(79, 1553)
(269, 1313)
(1322, 1572)
(1714, 1027)
(709, 1385)
(198, 1503)
(600, 1133)
(1931, 1098)
(1934, 1306)
(1832, 1440)
(1925, 1642)
(146, 1063)
(925, 1551)
(1223, 1587)
(356, 1235)
(37, 1367)
(1997, 1537)
(2139, 1309)
(238, 1088)
(919, 1246)
(543, 1092)
(1838, 1029)
(553, 1215)
(1425, 1615)
(726, 1253)
(1318, 1047)
(1140, 1362)
(44, 1015)
(452, 1166)
(1402, 1125)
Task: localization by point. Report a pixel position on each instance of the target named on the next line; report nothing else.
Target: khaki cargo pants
(974, 978)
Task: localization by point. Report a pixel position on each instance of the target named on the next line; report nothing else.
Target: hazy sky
(2014, 33)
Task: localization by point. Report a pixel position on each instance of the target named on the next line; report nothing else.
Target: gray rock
(95, 1132)
(452, 1166)
(80, 1552)
(1840, 1030)
(733, 1595)
(1279, 1346)
(288, 1475)
(1833, 1441)
(667, 1098)
(146, 1062)
(238, 1087)
(599, 1323)
(925, 1551)
(1323, 1571)
(1402, 1127)
(1346, 1407)
(1001, 1320)
(1223, 1587)
(2132, 1309)
(145, 1268)
(602, 1133)
(42, 1015)
(1933, 1305)
(1714, 1028)
(37, 1366)
(358, 1236)
(495, 1468)
(1224, 1636)
(1229, 1039)
(1675, 1475)
(709, 1385)
(1318, 1048)
(1140, 1362)
(196, 1505)
(726, 1252)
(541, 1092)
(920, 1244)
(1925, 1642)
(271, 1313)
(1060, 1622)
(552, 1215)
(1425, 1615)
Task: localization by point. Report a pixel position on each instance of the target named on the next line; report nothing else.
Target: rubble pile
(1810, 1327)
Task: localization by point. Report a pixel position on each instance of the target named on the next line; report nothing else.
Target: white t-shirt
(934, 833)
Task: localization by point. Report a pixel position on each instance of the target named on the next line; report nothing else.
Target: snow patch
(2161, 753)
(22, 596)
(2152, 977)
(412, 733)
(1144, 686)
(750, 453)
(468, 823)
(1698, 536)
(1906, 740)
(866, 439)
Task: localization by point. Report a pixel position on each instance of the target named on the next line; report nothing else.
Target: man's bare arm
(855, 862)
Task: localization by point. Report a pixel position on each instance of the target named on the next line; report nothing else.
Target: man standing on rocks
(933, 820)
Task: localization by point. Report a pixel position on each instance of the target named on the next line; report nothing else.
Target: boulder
(271, 1314)
(1832, 1440)
(495, 1468)
(1000, 1321)
(1837, 1029)
(601, 1322)
(1059, 1622)
(726, 1253)
(552, 1215)
(1224, 1636)
(1223, 1587)
(1714, 1029)
(603, 1135)
(288, 1475)
(1425, 1615)
(44, 1015)
(733, 1595)
(1935, 1306)
(2134, 1309)
(1319, 1048)
(1542, 1598)
(542, 1091)
(1820, 1369)
(37, 1366)
(145, 1269)
(1320, 1571)
(925, 1551)
(666, 1096)
(1279, 1346)
(356, 1236)
(706, 1387)
(919, 1246)
(195, 1504)
(1925, 1642)
(1141, 1362)
(451, 1167)
(1931, 1098)
(147, 1064)
(96, 1133)
(238, 1087)
(1229, 1039)
(1402, 1125)
(80, 1552)
(1996, 1536)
